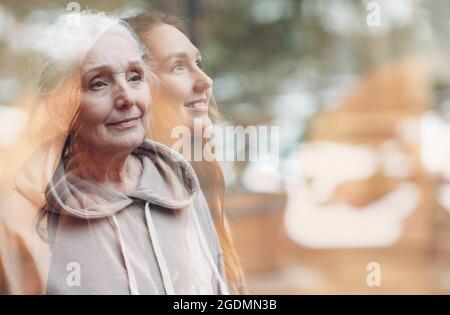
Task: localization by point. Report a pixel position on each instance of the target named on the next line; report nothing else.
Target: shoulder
(16, 211)
(206, 221)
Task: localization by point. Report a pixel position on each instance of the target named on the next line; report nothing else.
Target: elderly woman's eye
(135, 77)
(97, 85)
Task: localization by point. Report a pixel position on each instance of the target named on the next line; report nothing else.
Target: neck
(107, 168)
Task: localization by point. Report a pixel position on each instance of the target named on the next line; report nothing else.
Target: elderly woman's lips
(126, 123)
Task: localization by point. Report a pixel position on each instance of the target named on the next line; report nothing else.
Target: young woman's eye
(199, 64)
(178, 67)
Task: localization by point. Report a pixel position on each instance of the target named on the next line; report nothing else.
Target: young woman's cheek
(179, 86)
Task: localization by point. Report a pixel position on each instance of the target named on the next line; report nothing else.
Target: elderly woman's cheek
(95, 106)
(145, 97)
(143, 101)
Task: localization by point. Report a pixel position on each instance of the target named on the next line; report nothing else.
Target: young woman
(99, 209)
(184, 97)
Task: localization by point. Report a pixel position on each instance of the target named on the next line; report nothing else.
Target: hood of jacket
(44, 181)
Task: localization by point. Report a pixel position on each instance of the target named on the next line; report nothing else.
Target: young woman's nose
(124, 97)
(202, 81)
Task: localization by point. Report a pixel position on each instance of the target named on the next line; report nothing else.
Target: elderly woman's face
(184, 84)
(115, 95)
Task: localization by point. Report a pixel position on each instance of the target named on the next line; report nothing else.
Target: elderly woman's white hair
(61, 50)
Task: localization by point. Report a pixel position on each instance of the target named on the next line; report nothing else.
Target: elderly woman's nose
(202, 82)
(124, 96)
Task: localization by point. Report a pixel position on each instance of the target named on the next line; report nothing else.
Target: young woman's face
(184, 85)
(115, 94)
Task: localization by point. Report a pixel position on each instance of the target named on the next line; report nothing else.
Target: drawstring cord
(167, 282)
(130, 272)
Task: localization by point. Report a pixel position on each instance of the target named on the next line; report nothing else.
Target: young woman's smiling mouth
(198, 105)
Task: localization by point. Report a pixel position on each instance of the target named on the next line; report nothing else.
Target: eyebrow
(108, 67)
(181, 55)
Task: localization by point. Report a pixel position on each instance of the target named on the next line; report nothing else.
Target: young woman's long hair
(209, 172)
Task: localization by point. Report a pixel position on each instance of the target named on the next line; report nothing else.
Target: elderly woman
(99, 209)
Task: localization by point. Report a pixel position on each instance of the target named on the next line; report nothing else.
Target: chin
(127, 143)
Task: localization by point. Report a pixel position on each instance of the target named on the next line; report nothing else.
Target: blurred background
(361, 93)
